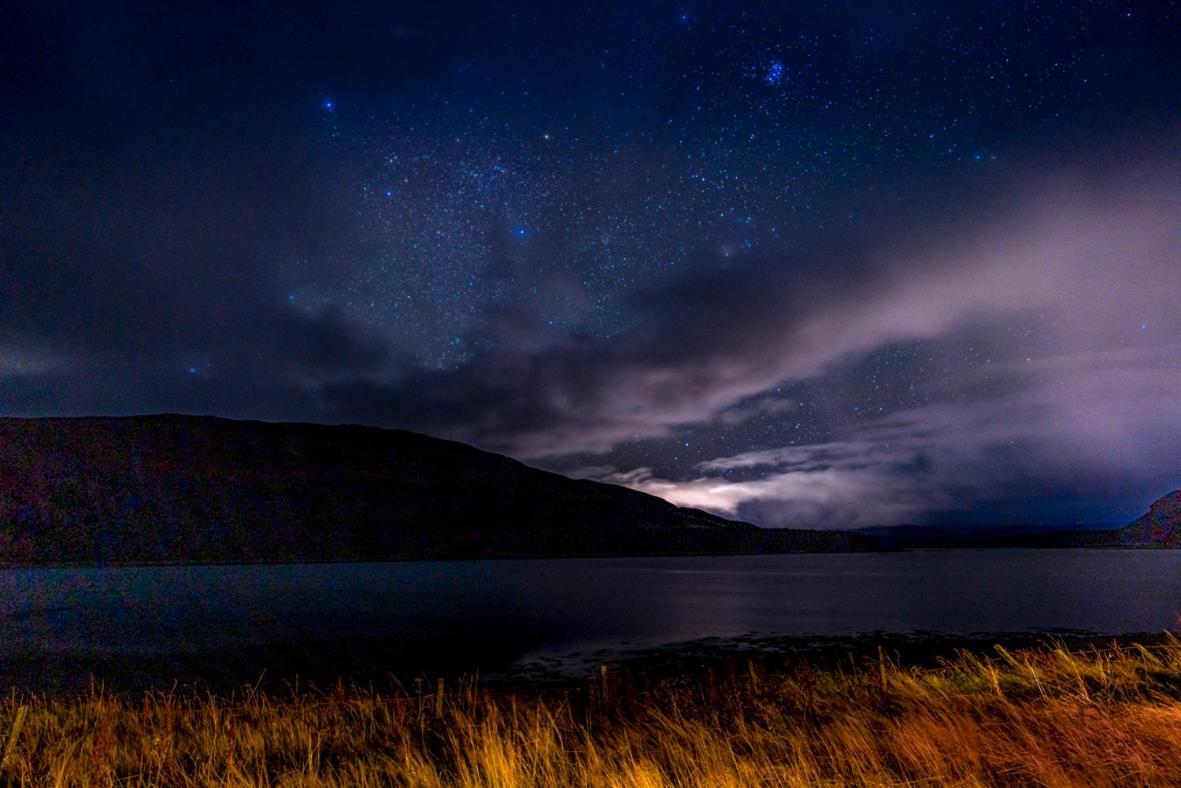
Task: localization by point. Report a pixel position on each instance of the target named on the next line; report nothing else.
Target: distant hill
(197, 489)
(1160, 526)
(921, 536)
(897, 537)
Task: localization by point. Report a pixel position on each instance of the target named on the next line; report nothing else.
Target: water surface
(58, 625)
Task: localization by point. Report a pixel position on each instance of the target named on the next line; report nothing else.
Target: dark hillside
(197, 489)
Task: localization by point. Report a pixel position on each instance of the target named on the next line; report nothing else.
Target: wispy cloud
(1080, 420)
(1093, 256)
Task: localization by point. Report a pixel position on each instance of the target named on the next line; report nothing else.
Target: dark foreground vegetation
(1049, 714)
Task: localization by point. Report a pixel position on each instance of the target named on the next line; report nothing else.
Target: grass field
(1037, 716)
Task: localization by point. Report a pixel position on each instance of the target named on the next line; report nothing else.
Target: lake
(59, 625)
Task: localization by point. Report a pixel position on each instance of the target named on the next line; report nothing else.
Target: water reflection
(492, 613)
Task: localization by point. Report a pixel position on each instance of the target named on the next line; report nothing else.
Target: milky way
(837, 265)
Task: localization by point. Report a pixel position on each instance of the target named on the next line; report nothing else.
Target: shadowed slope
(190, 489)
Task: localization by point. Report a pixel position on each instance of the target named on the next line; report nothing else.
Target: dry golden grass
(1044, 716)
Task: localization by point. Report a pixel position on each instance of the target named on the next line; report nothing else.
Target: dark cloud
(730, 331)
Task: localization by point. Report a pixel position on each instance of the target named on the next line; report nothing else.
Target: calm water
(57, 625)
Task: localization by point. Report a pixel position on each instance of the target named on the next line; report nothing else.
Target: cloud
(759, 408)
(1090, 255)
(1086, 422)
(116, 283)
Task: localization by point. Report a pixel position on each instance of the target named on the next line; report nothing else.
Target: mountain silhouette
(183, 489)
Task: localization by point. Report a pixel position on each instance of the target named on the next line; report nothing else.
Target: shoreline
(544, 557)
(384, 666)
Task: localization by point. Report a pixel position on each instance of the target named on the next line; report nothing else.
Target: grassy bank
(1042, 716)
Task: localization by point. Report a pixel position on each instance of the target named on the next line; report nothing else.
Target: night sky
(832, 264)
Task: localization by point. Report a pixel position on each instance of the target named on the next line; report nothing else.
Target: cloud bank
(1081, 423)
